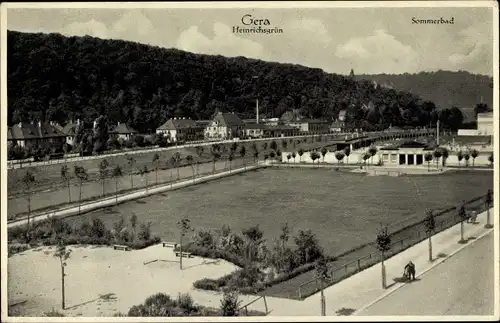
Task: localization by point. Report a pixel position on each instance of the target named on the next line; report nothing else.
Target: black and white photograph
(281, 161)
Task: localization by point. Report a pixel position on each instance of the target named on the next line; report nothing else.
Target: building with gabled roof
(42, 134)
(181, 130)
(224, 126)
(123, 131)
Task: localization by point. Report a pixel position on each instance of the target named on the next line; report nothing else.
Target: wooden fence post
(359, 264)
(300, 294)
(265, 304)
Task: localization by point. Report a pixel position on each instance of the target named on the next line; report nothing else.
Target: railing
(245, 307)
(344, 271)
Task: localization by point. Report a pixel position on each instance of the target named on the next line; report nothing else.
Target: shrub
(144, 231)
(186, 303)
(14, 248)
(229, 304)
(206, 284)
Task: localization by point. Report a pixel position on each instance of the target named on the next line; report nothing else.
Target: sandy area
(101, 281)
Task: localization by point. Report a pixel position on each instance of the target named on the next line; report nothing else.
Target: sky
(368, 40)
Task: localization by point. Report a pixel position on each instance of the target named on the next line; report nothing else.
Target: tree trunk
(62, 288)
(488, 223)
(323, 302)
(178, 174)
(69, 192)
(430, 247)
(116, 191)
(80, 199)
(103, 187)
(462, 230)
(180, 248)
(384, 283)
(29, 216)
(132, 180)
(156, 180)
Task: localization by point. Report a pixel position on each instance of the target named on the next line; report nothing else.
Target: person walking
(410, 271)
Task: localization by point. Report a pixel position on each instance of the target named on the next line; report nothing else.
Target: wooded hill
(444, 88)
(53, 77)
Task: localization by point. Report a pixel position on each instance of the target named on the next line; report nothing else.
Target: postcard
(250, 161)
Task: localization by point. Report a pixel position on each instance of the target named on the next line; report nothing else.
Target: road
(462, 285)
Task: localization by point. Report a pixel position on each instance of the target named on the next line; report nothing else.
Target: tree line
(53, 77)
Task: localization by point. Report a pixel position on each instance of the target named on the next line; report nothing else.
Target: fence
(444, 220)
(244, 308)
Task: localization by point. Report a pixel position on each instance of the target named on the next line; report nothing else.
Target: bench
(184, 254)
(169, 244)
(121, 247)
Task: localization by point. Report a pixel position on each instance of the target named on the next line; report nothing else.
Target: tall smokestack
(437, 132)
(257, 110)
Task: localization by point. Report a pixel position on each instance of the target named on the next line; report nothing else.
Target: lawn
(344, 210)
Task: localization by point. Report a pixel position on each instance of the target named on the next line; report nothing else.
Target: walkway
(359, 291)
(463, 285)
(74, 209)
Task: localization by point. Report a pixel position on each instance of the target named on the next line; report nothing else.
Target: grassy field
(49, 177)
(342, 209)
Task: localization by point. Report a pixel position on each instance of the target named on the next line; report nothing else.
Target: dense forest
(58, 78)
(444, 88)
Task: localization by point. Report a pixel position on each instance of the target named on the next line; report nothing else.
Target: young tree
(266, 157)
(63, 254)
(490, 159)
(81, 175)
(103, 173)
(116, 173)
(324, 151)
(156, 162)
(313, 156)
(133, 223)
(273, 145)
(230, 158)
(66, 177)
(339, 155)
(428, 158)
(215, 151)
(301, 152)
(28, 182)
(288, 157)
(243, 152)
(372, 151)
(199, 152)
(430, 227)
(284, 143)
(366, 156)
(466, 157)
(176, 162)
(462, 215)
(488, 200)
(272, 154)
(293, 156)
(323, 276)
(189, 160)
(383, 243)
(460, 156)
(184, 226)
(347, 152)
(473, 154)
(437, 154)
(131, 165)
(444, 156)
(144, 171)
